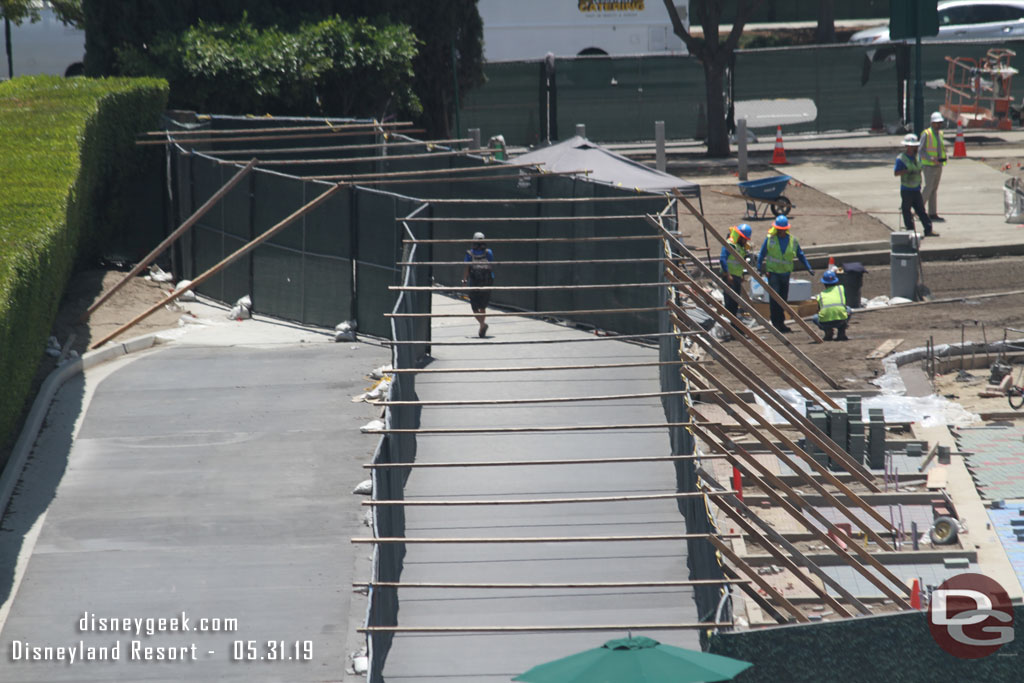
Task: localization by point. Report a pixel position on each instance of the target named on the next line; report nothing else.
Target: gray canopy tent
(605, 166)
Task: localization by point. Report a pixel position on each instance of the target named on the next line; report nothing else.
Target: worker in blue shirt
(777, 255)
(908, 169)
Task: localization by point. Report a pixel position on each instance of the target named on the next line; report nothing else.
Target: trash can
(852, 279)
(903, 269)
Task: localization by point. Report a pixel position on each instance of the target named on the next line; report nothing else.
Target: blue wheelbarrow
(764, 195)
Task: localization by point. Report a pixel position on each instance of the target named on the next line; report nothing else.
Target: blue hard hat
(745, 230)
(829, 278)
(781, 221)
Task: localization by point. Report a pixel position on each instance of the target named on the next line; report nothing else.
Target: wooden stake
(537, 501)
(527, 539)
(752, 340)
(573, 584)
(541, 240)
(436, 630)
(531, 314)
(738, 562)
(518, 430)
(532, 463)
(746, 305)
(537, 368)
(170, 239)
(815, 337)
(239, 253)
(520, 219)
(528, 401)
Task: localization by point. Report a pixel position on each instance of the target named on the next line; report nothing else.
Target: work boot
(931, 234)
(828, 333)
(842, 335)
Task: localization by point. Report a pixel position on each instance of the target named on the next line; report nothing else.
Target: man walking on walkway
(908, 170)
(777, 255)
(933, 158)
(733, 268)
(479, 275)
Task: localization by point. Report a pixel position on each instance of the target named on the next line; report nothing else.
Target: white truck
(47, 46)
(529, 29)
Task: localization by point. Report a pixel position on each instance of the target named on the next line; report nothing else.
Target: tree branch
(693, 46)
(744, 11)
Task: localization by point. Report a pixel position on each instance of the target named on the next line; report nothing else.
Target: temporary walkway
(555, 573)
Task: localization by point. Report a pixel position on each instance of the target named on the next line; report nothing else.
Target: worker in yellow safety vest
(733, 268)
(933, 158)
(833, 313)
(777, 255)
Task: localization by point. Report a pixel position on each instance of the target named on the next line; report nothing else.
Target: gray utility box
(903, 265)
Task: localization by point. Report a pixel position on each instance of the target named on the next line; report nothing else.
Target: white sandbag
(364, 488)
(372, 426)
(184, 296)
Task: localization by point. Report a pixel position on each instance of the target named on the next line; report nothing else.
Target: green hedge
(66, 148)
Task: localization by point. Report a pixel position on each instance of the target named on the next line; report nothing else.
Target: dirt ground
(819, 219)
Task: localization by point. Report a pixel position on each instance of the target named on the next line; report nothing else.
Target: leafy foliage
(446, 29)
(331, 67)
(67, 147)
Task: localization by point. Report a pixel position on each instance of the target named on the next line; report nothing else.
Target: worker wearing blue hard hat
(733, 268)
(778, 253)
(833, 314)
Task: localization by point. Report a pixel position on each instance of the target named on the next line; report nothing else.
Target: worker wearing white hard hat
(933, 158)
(908, 170)
(479, 276)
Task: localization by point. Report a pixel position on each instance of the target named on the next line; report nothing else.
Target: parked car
(965, 20)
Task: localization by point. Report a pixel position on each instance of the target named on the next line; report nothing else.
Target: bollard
(855, 441)
(581, 130)
(659, 145)
(837, 430)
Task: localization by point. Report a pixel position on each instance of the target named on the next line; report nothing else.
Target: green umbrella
(636, 660)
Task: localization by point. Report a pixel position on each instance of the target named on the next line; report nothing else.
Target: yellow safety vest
(933, 148)
(734, 266)
(832, 304)
(775, 260)
(912, 180)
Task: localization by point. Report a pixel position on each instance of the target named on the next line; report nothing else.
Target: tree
(716, 56)
(826, 30)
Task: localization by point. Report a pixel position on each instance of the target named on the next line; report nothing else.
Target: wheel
(781, 206)
(944, 531)
(1015, 396)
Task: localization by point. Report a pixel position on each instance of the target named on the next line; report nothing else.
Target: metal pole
(918, 83)
(741, 148)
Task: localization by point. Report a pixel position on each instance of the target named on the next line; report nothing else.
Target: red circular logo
(970, 616)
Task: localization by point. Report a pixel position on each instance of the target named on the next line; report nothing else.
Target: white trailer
(529, 29)
(46, 46)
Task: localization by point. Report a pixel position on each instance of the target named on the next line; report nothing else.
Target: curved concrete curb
(41, 406)
(891, 383)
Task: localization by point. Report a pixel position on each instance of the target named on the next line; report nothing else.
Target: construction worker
(777, 255)
(732, 268)
(908, 170)
(933, 158)
(833, 313)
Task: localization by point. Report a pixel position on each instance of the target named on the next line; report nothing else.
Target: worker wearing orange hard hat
(778, 253)
(733, 269)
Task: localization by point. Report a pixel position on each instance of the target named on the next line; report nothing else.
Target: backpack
(480, 273)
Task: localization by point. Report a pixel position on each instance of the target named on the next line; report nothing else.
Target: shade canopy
(636, 660)
(605, 166)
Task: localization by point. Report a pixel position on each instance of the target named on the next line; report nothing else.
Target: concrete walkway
(498, 657)
(208, 478)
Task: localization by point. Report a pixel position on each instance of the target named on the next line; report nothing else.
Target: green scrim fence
(620, 98)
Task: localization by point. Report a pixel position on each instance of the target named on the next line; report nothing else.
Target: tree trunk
(826, 31)
(714, 84)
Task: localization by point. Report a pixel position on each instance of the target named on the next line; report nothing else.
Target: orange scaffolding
(978, 90)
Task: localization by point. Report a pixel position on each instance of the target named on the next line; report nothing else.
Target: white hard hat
(910, 140)
(478, 237)
(937, 117)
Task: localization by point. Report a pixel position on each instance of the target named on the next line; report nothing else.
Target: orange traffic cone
(779, 155)
(959, 148)
(915, 595)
